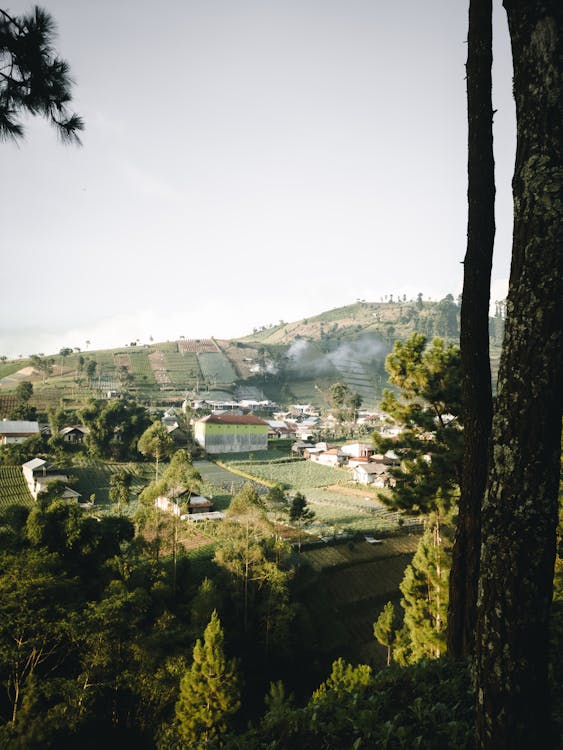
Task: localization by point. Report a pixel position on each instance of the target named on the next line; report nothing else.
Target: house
(17, 431)
(331, 457)
(39, 474)
(280, 429)
(300, 447)
(358, 450)
(391, 459)
(231, 433)
(371, 473)
(184, 501)
(75, 434)
(178, 435)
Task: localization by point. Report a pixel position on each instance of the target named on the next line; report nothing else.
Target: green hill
(288, 362)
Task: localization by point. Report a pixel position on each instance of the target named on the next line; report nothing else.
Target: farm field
(13, 488)
(346, 555)
(182, 369)
(354, 583)
(216, 368)
(338, 507)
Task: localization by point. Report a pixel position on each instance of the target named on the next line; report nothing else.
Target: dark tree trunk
(476, 370)
(520, 509)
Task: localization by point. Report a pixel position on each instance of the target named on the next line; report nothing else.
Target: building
(231, 433)
(74, 434)
(371, 473)
(17, 431)
(39, 474)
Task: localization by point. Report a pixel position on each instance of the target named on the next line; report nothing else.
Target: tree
(64, 353)
(425, 600)
(33, 80)
(242, 551)
(519, 514)
(43, 364)
(345, 401)
(209, 690)
(385, 628)
(155, 442)
(24, 391)
(428, 406)
(474, 341)
(115, 427)
(120, 486)
(300, 514)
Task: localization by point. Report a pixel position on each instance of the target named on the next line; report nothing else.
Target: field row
(13, 487)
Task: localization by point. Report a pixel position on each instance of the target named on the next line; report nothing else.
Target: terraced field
(216, 368)
(141, 367)
(13, 487)
(182, 369)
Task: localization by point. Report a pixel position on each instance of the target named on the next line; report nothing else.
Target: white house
(38, 475)
(371, 473)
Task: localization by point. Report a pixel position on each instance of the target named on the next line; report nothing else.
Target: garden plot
(13, 487)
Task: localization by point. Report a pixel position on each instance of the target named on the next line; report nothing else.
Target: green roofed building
(231, 433)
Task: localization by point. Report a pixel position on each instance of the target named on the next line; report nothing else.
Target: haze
(244, 162)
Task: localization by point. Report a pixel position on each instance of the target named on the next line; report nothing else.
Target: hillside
(287, 362)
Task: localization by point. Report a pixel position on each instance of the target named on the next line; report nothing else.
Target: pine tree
(425, 599)
(385, 628)
(209, 690)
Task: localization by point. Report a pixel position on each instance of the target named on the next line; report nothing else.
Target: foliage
(427, 705)
(120, 486)
(425, 600)
(115, 427)
(428, 406)
(300, 514)
(155, 442)
(385, 628)
(209, 691)
(34, 81)
(345, 401)
(16, 454)
(24, 390)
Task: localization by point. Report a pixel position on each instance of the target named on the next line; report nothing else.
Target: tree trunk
(520, 508)
(475, 365)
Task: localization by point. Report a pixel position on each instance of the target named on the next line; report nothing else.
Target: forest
(109, 633)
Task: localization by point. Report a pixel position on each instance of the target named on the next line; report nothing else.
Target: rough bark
(474, 340)
(519, 515)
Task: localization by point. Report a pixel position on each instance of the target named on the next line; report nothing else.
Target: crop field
(104, 360)
(13, 487)
(141, 367)
(121, 359)
(7, 405)
(346, 555)
(166, 346)
(371, 580)
(216, 368)
(218, 477)
(299, 475)
(93, 478)
(157, 362)
(196, 346)
(182, 369)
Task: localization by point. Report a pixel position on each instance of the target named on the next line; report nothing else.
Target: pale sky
(244, 162)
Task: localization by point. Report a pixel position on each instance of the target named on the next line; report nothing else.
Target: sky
(244, 162)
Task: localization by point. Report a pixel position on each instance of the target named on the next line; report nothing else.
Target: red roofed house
(231, 433)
